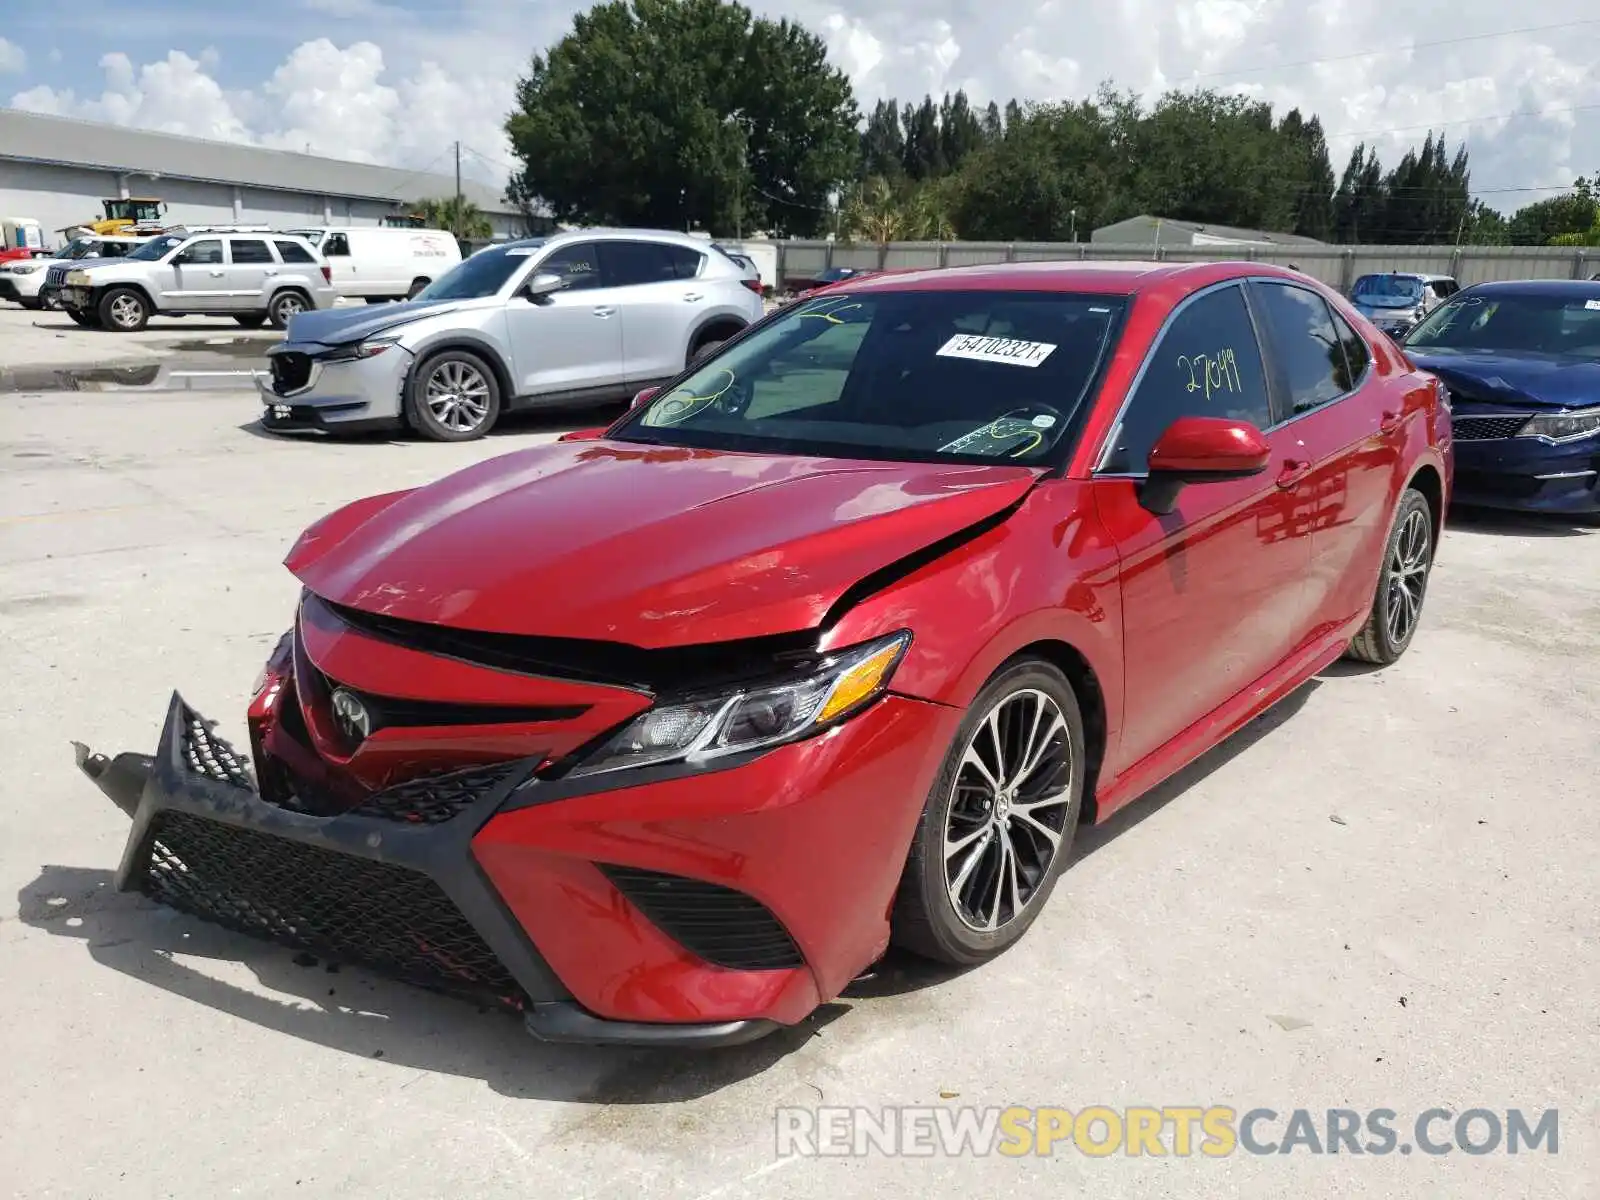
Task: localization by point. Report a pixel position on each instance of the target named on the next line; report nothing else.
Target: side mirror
(643, 398)
(542, 285)
(584, 435)
(1201, 450)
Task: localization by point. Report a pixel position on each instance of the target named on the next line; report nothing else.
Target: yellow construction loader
(124, 216)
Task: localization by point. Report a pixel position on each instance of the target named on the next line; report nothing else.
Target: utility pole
(455, 218)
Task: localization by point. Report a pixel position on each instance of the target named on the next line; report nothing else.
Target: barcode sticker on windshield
(996, 350)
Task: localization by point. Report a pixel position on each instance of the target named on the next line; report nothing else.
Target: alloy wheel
(1008, 810)
(289, 306)
(458, 396)
(1408, 576)
(127, 312)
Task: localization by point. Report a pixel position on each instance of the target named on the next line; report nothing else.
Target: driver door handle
(604, 310)
(1294, 470)
(216, 274)
(691, 297)
(1389, 423)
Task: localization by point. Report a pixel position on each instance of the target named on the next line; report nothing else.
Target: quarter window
(578, 265)
(1206, 364)
(1357, 356)
(293, 252)
(1305, 344)
(251, 252)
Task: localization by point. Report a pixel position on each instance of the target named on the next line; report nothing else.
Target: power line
(1541, 112)
(1455, 41)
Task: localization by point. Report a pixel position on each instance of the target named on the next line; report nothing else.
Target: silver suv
(579, 318)
(253, 278)
(1396, 302)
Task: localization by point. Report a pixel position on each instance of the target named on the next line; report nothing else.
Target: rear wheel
(284, 307)
(1402, 585)
(124, 310)
(453, 397)
(998, 825)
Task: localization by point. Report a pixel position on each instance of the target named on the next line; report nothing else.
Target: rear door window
(630, 264)
(1206, 364)
(250, 252)
(1306, 349)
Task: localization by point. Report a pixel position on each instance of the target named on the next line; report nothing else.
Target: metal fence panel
(1337, 266)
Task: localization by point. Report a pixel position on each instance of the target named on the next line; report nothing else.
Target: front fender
(1049, 573)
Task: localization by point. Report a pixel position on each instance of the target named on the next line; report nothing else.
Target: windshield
(920, 376)
(1388, 287)
(314, 236)
(156, 249)
(79, 248)
(483, 274)
(1514, 324)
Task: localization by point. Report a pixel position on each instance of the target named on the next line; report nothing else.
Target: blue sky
(398, 81)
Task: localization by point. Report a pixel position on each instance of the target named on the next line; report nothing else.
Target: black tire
(1402, 584)
(705, 349)
(252, 321)
(78, 316)
(31, 303)
(284, 306)
(417, 285)
(123, 310)
(443, 422)
(925, 918)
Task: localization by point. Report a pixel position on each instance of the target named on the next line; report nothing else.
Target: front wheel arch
(421, 354)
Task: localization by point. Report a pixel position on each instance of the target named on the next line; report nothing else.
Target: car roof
(1110, 277)
(1427, 276)
(1569, 289)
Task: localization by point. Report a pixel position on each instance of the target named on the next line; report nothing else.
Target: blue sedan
(1522, 364)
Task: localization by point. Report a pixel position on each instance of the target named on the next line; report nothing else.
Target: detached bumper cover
(369, 886)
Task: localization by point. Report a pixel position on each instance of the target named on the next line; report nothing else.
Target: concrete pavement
(1381, 895)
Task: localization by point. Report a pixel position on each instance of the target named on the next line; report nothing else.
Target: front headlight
(359, 350)
(77, 278)
(24, 268)
(754, 718)
(1563, 427)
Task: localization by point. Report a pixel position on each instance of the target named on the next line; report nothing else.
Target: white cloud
(13, 58)
(423, 79)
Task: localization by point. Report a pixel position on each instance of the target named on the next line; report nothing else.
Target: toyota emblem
(354, 720)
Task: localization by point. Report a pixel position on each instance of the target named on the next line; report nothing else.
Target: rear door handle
(216, 274)
(1294, 470)
(1390, 422)
(691, 297)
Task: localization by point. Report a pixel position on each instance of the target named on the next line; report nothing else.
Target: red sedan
(666, 732)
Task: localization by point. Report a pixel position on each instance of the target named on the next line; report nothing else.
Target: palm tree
(468, 222)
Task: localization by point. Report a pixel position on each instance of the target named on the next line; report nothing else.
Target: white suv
(251, 277)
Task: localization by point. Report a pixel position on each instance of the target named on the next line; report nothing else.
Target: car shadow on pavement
(1494, 521)
(900, 973)
(345, 1008)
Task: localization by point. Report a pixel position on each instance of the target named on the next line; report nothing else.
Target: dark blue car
(1522, 364)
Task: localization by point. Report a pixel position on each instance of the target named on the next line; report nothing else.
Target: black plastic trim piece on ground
(566, 1022)
(441, 852)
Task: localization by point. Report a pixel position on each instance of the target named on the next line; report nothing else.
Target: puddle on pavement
(226, 347)
(167, 377)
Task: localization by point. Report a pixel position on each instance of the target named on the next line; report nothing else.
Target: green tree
(1426, 197)
(924, 153)
(684, 112)
(1537, 224)
(467, 221)
(960, 130)
(1309, 173)
(883, 144)
(1358, 206)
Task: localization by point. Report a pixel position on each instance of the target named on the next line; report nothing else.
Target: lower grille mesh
(1483, 429)
(436, 798)
(351, 909)
(724, 927)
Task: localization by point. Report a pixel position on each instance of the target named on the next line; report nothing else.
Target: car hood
(648, 546)
(1544, 380)
(338, 326)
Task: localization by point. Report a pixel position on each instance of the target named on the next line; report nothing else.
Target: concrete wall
(1335, 265)
(61, 196)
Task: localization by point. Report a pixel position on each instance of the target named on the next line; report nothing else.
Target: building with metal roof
(1149, 231)
(58, 170)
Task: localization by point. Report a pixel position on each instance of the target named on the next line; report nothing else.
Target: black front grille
(390, 918)
(55, 277)
(1483, 429)
(291, 371)
(437, 798)
(722, 926)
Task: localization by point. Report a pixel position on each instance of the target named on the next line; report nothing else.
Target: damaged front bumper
(374, 886)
